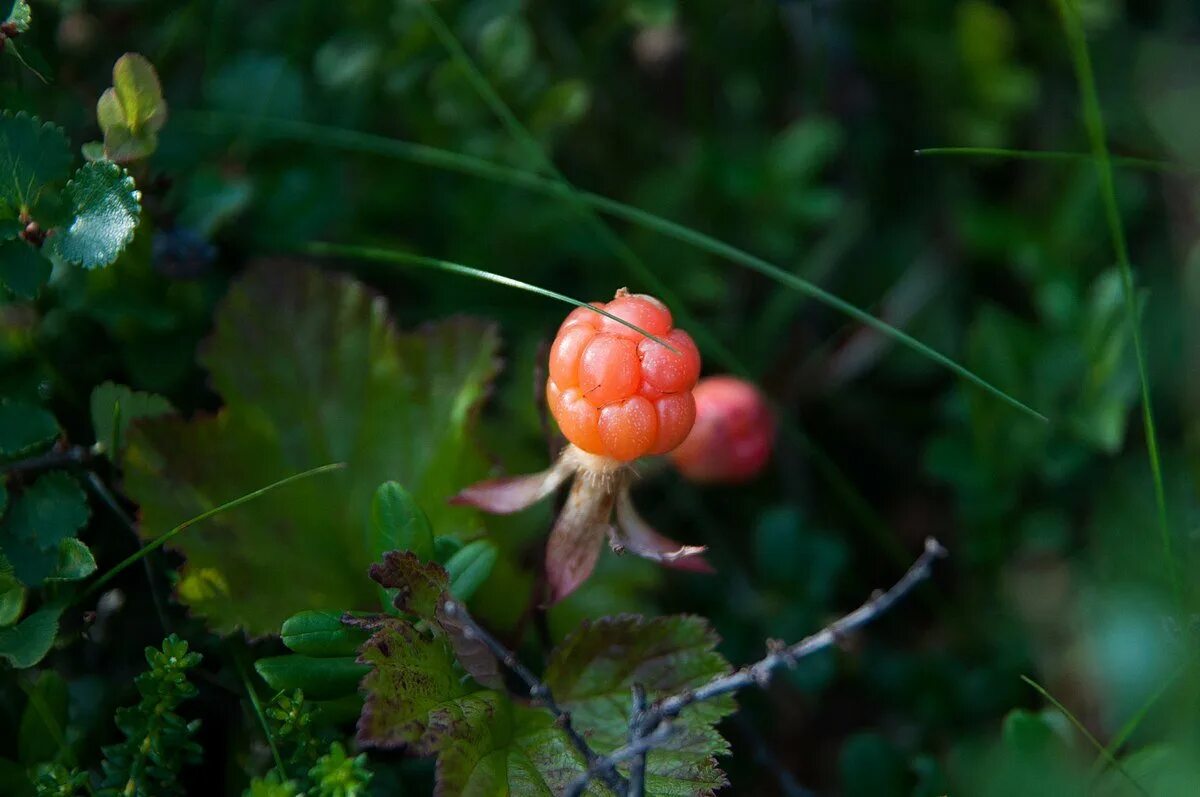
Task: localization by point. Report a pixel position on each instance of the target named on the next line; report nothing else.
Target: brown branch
(655, 724)
(539, 692)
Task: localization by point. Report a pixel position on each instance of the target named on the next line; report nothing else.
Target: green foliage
(37, 532)
(20, 15)
(389, 405)
(338, 775)
(318, 677)
(56, 780)
(114, 407)
(420, 697)
(291, 724)
(44, 720)
(105, 204)
(398, 524)
(321, 634)
(158, 742)
(33, 156)
(132, 111)
(24, 428)
(470, 566)
(26, 643)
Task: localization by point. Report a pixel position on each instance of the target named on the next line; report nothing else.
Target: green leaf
(318, 678)
(591, 675)
(417, 586)
(311, 371)
(28, 642)
(106, 204)
(133, 111)
(23, 270)
(398, 524)
(21, 15)
(44, 720)
(50, 510)
(24, 428)
(115, 406)
(12, 595)
(321, 634)
(415, 694)
(470, 567)
(417, 697)
(32, 155)
(75, 561)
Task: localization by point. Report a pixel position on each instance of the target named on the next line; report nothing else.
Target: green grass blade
(407, 258)
(463, 164)
(1148, 164)
(1079, 726)
(1094, 122)
(161, 540)
(252, 693)
(1131, 725)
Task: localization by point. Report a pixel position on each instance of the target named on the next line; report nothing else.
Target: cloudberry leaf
(23, 270)
(114, 407)
(24, 428)
(312, 372)
(418, 585)
(32, 155)
(593, 670)
(416, 695)
(488, 744)
(106, 204)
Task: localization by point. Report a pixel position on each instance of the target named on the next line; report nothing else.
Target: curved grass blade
(1094, 122)
(161, 540)
(391, 256)
(478, 167)
(262, 718)
(1148, 164)
(1079, 726)
(679, 232)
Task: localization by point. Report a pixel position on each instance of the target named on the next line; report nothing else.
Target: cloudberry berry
(617, 393)
(734, 432)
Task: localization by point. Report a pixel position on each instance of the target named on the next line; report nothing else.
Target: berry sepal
(600, 489)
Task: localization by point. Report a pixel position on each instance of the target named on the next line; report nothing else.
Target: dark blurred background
(787, 129)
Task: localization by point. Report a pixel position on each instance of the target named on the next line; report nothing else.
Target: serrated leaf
(415, 696)
(398, 524)
(591, 675)
(50, 510)
(418, 585)
(28, 642)
(23, 270)
(311, 372)
(106, 204)
(321, 634)
(318, 678)
(75, 561)
(12, 594)
(487, 744)
(470, 567)
(20, 15)
(114, 407)
(24, 428)
(32, 155)
(44, 720)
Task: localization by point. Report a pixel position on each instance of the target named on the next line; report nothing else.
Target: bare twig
(654, 725)
(637, 770)
(57, 457)
(598, 767)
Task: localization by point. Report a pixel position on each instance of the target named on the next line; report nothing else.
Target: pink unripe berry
(733, 435)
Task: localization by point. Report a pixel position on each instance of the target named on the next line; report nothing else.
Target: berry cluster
(617, 393)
